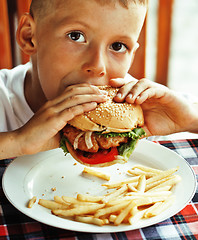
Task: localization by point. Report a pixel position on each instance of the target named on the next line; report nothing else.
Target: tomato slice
(102, 156)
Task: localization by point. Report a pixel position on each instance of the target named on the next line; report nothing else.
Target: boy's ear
(134, 51)
(25, 34)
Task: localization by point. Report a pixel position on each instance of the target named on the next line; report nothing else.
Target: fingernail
(119, 95)
(104, 92)
(130, 96)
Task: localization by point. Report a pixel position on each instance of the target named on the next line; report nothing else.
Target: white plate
(36, 175)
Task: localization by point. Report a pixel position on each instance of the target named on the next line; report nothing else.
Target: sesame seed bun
(110, 116)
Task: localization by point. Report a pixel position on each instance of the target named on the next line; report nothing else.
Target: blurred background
(169, 42)
(183, 58)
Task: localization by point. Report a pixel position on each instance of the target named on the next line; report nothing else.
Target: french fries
(143, 195)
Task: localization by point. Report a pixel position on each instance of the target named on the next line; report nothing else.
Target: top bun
(110, 116)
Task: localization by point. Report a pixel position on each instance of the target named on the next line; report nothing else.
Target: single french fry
(158, 208)
(89, 198)
(141, 184)
(137, 172)
(106, 221)
(112, 218)
(69, 200)
(131, 187)
(150, 194)
(160, 189)
(90, 220)
(120, 200)
(124, 213)
(32, 202)
(149, 212)
(122, 182)
(112, 209)
(115, 193)
(82, 204)
(136, 215)
(134, 210)
(81, 210)
(96, 173)
(60, 200)
(147, 169)
(51, 204)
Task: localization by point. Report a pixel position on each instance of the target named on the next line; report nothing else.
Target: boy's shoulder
(14, 109)
(18, 72)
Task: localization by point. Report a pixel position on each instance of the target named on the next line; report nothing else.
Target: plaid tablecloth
(184, 225)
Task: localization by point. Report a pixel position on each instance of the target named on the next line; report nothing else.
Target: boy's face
(85, 42)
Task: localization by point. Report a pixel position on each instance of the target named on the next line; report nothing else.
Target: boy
(75, 45)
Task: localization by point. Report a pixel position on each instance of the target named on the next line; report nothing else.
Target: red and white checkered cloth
(184, 225)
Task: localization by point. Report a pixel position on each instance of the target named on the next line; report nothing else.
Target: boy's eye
(119, 47)
(76, 36)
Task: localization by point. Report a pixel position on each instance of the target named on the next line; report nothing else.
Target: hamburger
(105, 135)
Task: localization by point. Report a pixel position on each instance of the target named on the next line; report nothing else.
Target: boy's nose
(95, 66)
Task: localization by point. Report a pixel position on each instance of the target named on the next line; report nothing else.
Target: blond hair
(40, 7)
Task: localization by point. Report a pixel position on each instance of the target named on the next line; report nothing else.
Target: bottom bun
(74, 154)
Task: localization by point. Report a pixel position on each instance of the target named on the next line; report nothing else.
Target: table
(184, 225)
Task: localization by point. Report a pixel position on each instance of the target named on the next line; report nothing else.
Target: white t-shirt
(14, 110)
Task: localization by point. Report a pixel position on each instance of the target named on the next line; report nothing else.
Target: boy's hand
(42, 131)
(163, 109)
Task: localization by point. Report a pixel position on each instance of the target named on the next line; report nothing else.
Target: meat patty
(98, 141)
(106, 143)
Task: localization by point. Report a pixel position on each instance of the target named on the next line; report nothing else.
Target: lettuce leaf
(126, 149)
(134, 134)
(63, 145)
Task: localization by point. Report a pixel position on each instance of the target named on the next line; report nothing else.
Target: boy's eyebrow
(126, 38)
(68, 20)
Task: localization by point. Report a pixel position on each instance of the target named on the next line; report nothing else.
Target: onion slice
(76, 140)
(88, 140)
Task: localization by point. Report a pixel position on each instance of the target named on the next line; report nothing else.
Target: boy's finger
(77, 110)
(79, 91)
(78, 100)
(124, 91)
(82, 89)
